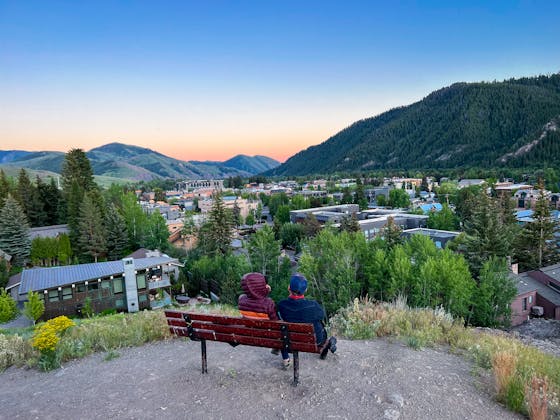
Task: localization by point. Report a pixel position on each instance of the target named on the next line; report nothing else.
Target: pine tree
(488, 233)
(391, 233)
(92, 234)
(77, 179)
(51, 198)
(496, 290)
(536, 244)
(4, 187)
(349, 223)
(29, 199)
(117, 235)
(359, 195)
(216, 234)
(14, 232)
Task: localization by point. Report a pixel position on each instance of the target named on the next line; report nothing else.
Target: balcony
(157, 282)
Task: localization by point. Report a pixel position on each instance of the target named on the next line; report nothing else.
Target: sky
(207, 80)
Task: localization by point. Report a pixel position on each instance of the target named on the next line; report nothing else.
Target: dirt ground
(379, 379)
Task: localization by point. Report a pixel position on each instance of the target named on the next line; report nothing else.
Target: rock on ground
(364, 379)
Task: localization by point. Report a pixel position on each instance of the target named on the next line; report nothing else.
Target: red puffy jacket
(255, 303)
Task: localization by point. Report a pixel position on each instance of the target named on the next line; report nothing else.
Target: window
(531, 299)
(524, 304)
(142, 298)
(554, 286)
(53, 296)
(80, 288)
(105, 284)
(93, 286)
(118, 285)
(67, 293)
(141, 281)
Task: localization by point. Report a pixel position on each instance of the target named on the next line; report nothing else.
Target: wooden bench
(290, 336)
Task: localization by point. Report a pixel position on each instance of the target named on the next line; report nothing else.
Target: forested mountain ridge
(137, 163)
(513, 123)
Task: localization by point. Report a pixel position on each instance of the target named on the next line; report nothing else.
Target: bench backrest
(252, 332)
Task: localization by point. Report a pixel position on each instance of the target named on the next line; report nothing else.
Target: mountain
(252, 164)
(514, 123)
(123, 161)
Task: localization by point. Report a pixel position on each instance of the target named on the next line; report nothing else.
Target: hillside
(514, 123)
(377, 379)
(121, 161)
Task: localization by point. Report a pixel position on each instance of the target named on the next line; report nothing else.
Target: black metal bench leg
(203, 351)
(296, 368)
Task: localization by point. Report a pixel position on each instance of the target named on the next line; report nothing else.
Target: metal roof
(527, 284)
(47, 278)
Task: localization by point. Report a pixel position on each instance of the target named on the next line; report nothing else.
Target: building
(53, 231)
(129, 285)
(333, 214)
(539, 288)
(212, 184)
(439, 237)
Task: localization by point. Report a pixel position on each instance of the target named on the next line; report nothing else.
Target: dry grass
(503, 365)
(513, 363)
(537, 398)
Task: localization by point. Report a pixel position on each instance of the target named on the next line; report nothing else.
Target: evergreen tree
(359, 195)
(216, 234)
(4, 273)
(51, 197)
(264, 251)
(14, 232)
(487, 233)
(391, 233)
(496, 290)
(92, 240)
(77, 179)
(349, 223)
(4, 187)
(536, 246)
(117, 235)
(346, 196)
(29, 200)
(34, 307)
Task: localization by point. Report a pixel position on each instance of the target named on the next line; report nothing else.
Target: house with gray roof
(537, 288)
(129, 285)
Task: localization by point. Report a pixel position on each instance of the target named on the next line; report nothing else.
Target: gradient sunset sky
(206, 80)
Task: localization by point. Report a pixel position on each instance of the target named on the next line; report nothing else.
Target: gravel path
(380, 379)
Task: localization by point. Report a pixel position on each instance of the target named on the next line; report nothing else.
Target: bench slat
(241, 330)
(244, 339)
(253, 323)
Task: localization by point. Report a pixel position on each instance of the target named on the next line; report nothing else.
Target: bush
(14, 350)
(45, 339)
(34, 307)
(8, 307)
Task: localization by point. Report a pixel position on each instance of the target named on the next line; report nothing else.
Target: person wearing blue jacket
(298, 309)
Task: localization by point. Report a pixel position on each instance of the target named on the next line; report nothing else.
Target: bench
(294, 337)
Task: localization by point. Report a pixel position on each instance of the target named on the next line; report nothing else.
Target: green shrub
(8, 307)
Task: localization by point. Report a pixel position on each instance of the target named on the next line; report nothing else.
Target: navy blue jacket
(304, 311)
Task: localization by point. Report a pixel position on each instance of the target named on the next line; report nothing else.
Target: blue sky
(210, 79)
